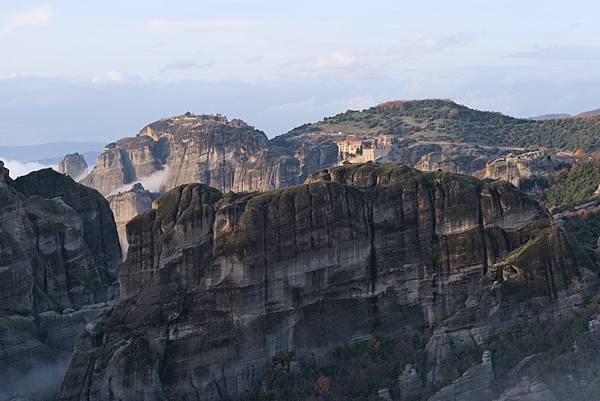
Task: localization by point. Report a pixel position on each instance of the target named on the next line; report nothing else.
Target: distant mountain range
(563, 116)
(51, 153)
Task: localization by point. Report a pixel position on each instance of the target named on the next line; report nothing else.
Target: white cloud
(12, 75)
(153, 183)
(116, 77)
(337, 59)
(41, 16)
(18, 168)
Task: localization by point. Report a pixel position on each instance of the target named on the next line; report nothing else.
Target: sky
(74, 70)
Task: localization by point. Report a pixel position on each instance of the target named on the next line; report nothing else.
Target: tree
(322, 385)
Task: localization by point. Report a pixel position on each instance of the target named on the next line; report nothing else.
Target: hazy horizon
(98, 72)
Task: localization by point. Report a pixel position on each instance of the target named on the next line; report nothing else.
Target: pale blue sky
(100, 70)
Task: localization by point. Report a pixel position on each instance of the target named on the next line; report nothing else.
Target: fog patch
(18, 168)
(38, 383)
(153, 183)
(82, 175)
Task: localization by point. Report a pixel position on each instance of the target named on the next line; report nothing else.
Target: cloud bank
(40, 16)
(153, 183)
(18, 169)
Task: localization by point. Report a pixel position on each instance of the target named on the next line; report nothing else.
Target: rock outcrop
(230, 155)
(56, 260)
(99, 228)
(225, 154)
(529, 390)
(74, 165)
(476, 384)
(126, 205)
(457, 159)
(516, 168)
(216, 285)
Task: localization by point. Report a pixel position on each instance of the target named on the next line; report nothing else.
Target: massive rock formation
(216, 285)
(516, 168)
(232, 156)
(228, 155)
(59, 258)
(74, 165)
(126, 205)
(457, 159)
(476, 384)
(99, 228)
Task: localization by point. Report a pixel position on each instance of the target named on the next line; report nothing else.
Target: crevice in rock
(484, 249)
(196, 390)
(372, 254)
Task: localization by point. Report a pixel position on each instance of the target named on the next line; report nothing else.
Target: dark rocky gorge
(217, 285)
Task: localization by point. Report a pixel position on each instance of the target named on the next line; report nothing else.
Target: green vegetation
(585, 227)
(561, 349)
(355, 372)
(444, 120)
(573, 186)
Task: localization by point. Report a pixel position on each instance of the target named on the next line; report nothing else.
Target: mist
(18, 168)
(153, 183)
(35, 383)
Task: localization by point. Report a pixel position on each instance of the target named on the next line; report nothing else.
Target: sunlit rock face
(216, 285)
(59, 260)
(515, 169)
(126, 205)
(225, 154)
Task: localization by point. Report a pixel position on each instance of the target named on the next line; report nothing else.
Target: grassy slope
(444, 120)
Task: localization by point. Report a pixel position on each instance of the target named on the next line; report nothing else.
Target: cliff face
(126, 205)
(215, 285)
(228, 155)
(55, 258)
(232, 156)
(99, 228)
(516, 168)
(74, 165)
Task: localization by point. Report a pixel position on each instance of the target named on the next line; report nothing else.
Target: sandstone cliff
(126, 205)
(232, 156)
(59, 258)
(516, 168)
(215, 286)
(225, 154)
(74, 165)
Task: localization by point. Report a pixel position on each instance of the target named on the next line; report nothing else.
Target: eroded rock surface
(56, 259)
(476, 384)
(126, 205)
(74, 165)
(529, 390)
(215, 285)
(225, 154)
(230, 155)
(516, 168)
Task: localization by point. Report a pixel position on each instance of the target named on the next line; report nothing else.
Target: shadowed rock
(215, 285)
(56, 261)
